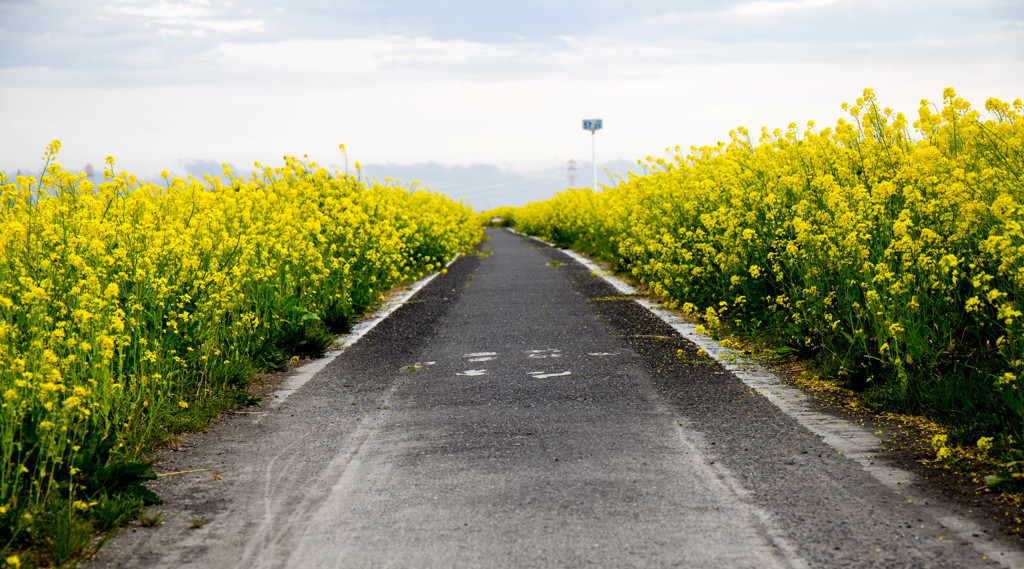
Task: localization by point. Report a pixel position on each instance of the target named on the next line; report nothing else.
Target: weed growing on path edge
(151, 519)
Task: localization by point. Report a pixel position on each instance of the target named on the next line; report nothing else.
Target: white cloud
(183, 17)
(421, 50)
(355, 56)
(161, 11)
(766, 7)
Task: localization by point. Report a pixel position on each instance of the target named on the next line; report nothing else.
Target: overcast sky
(477, 98)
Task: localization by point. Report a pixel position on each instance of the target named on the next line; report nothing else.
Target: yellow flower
(948, 262)
(985, 444)
(183, 404)
(116, 324)
(111, 291)
(942, 451)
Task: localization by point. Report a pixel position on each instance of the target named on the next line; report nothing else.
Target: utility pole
(572, 173)
(593, 125)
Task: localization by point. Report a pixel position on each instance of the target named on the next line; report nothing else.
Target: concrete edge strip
(853, 442)
(537, 239)
(302, 374)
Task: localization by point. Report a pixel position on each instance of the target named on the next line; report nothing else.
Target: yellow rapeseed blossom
(939, 446)
(890, 247)
(985, 444)
(121, 299)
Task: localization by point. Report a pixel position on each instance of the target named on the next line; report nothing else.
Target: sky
(481, 99)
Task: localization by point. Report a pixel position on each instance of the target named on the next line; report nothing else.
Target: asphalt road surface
(519, 412)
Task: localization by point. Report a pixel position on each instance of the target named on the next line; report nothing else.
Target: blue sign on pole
(593, 125)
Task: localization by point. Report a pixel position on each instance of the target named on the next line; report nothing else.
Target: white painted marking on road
(473, 372)
(304, 373)
(541, 354)
(480, 354)
(542, 375)
(603, 354)
(483, 359)
(855, 443)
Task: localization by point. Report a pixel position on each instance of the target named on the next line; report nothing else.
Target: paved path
(517, 413)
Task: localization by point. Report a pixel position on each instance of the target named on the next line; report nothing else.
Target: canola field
(125, 305)
(891, 252)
